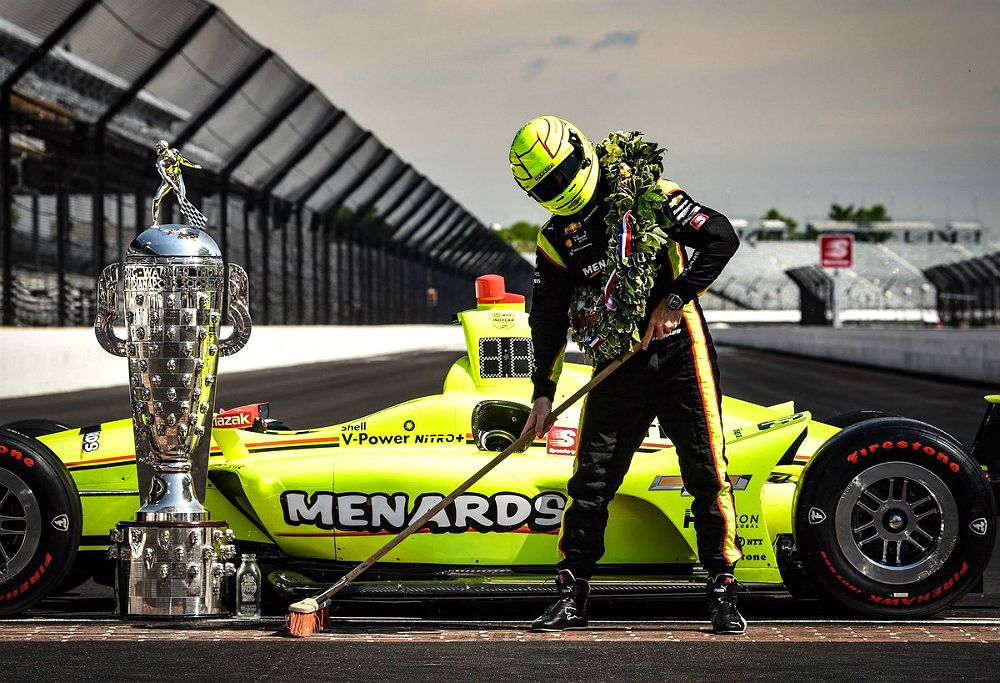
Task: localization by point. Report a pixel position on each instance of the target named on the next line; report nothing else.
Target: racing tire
(894, 519)
(35, 427)
(40, 522)
(852, 417)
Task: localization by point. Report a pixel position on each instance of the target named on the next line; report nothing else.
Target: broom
(307, 616)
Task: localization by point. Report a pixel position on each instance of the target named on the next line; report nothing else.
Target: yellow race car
(889, 516)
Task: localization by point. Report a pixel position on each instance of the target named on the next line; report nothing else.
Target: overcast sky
(792, 104)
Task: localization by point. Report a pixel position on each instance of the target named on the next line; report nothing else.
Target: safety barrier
(968, 355)
(50, 360)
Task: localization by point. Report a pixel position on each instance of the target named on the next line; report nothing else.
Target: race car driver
(674, 378)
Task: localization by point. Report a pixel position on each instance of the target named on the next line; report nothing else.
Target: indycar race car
(886, 515)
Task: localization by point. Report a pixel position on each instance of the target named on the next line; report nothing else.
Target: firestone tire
(35, 427)
(40, 522)
(894, 519)
(852, 417)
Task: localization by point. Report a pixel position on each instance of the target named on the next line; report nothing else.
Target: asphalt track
(67, 637)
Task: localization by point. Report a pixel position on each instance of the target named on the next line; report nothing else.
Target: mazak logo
(237, 418)
(232, 421)
(385, 512)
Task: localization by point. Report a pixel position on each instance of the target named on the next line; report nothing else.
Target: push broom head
(306, 617)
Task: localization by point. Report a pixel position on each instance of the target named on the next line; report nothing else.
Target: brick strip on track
(402, 631)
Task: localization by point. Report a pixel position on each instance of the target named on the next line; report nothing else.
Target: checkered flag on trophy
(168, 164)
(194, 217)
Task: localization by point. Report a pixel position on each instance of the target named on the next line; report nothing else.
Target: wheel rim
(897, 522)
(20, 524)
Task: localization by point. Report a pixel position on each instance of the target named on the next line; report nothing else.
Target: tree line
(522, 234)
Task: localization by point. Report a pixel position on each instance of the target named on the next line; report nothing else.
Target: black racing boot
(722, 605)
(570, 610)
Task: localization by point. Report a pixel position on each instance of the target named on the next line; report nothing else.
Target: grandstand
(889, 279)
(331, 225)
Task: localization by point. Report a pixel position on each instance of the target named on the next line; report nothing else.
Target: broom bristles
(306, 617)
(303, 625)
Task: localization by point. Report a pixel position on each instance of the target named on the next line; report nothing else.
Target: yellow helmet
(554, 163)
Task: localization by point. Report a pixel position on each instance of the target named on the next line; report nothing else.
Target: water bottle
(248, 588)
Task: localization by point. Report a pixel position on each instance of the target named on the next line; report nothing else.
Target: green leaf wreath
(605, 319)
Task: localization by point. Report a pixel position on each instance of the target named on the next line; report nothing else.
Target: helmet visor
(559, 178)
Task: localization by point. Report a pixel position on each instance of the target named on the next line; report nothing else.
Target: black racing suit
(675, 380)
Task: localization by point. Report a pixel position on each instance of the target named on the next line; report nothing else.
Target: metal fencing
(330, 224)
(968, 292)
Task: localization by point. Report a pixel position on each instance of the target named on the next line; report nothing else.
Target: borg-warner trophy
(173, 560)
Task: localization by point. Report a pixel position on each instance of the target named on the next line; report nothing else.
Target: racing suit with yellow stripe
(675, 380)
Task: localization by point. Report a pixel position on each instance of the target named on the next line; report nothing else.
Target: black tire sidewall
(35, 427)
(841, 459)
(853, 417)
(56, 494)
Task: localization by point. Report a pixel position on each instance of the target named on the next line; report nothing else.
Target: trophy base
(172, 570)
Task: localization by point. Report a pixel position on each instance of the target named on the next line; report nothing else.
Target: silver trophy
(173, 560)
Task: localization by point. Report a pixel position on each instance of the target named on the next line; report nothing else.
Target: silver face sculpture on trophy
(173, 560)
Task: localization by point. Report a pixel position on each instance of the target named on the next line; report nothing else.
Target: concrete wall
(972, 355)
(53, 360)
(49, 360)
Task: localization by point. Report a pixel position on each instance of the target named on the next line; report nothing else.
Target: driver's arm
(549, 317)
(708, 232)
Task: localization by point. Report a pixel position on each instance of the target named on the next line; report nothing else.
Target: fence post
(282, 216)
(6, 210)
(300, 318)
(97, 208)
(62, 236)
(119, 225)
(328, 267)
(36, 230)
